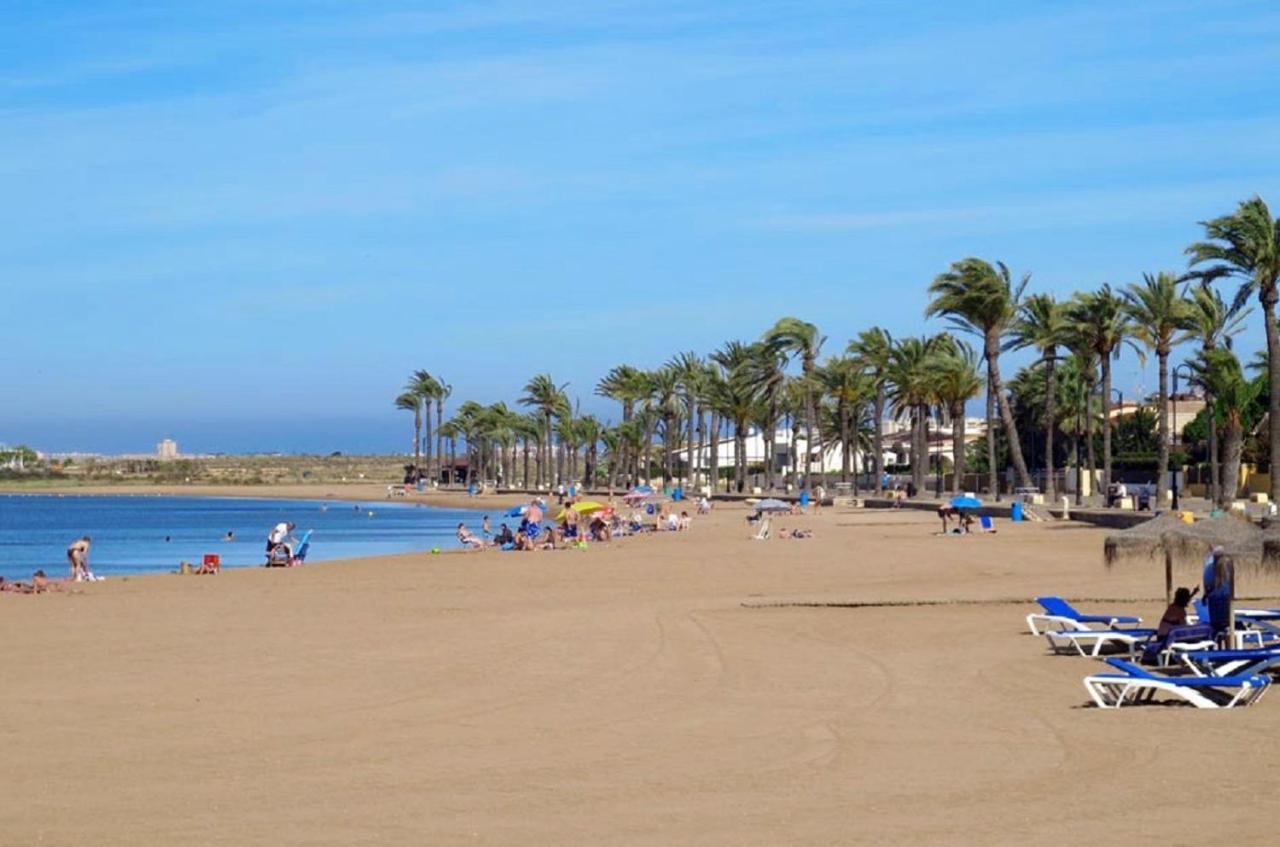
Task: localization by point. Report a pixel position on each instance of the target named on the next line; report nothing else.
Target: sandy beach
(657, 690)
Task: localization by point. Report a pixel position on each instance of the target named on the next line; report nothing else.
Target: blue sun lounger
(1134, 684)
(1232, 662)
(1060, 614)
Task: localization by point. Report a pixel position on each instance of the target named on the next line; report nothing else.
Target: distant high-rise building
(167, 449)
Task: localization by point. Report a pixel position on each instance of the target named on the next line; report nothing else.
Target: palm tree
(956, 381)
(1158, 313)
(1042, 324)
(872, 349)
(794, 337)
(450, 430)
(426, 386)
(736, 397)
(910, 386)
(627, 386)
(543, 395)
(1219, 372)
(844, 382)
(664, 404)
(1246, 245)
(443, 392)
(1213, 323)
(528, 428)
(412, 402)
(1100, 321)
(983, 300)
(690, 373)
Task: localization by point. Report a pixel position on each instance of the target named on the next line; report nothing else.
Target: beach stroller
(285, 556)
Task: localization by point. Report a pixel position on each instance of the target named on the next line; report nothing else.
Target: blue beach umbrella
(772, 505)
(966, 502)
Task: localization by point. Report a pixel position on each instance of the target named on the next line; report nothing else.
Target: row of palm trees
(674, 418)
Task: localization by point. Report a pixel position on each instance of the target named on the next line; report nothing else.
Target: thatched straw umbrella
(1187, 545)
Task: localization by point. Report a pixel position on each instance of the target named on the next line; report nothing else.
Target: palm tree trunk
(1215, 471)
(417, 439)
(770, 444)
(957, 448)
(713, 460)
(1162, 460)
(1006, 414)
(808, 429)
(1050, 423)
(877, 439)
(1231, 459)
(1269, 295)
(844, 441)
(1105, 361)
(439, 435)
(993, 476)
(426, 442)
(920, 457)
(1091, 457)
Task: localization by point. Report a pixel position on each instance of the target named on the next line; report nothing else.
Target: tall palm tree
(413, 403)
(796, 338)
(956, 381)
(737, 398)
(443, 392)
(872, 349)
(690, 372)
(627, 386)
(982, 299)
(1214, 323)
(847, 385)
(1043, 325)
(1100, 321)
(1219, 372)
(545, 397)
(452, 431)
(427, 387)
(1159, 313)
(1246, 245)
(664, 404)
(528, 428)
(910, 385)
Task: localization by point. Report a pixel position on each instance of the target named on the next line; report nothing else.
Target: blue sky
(242, 224)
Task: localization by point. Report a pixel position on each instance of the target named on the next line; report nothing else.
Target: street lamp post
(1173, 436)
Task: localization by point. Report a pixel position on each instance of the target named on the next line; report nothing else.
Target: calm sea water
(129, 533)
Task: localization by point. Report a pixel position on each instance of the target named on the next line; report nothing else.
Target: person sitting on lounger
(468, 538)
(1176, 614)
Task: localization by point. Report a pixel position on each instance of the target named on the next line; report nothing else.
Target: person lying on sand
(795, 533)
(8, 586)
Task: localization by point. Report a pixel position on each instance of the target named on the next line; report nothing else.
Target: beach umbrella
(1169, 539)
(586, 507)
(517, 511)
(656, 498)
(772, 505)
(966, 502)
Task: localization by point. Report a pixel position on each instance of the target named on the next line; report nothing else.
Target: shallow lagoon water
(129, 532)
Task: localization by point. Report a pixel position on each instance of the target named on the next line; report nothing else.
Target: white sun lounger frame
(1113, 690)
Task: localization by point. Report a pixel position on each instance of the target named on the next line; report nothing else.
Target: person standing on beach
(279, 533)
(78, 555)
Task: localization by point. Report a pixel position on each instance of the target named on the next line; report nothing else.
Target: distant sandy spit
(656, 690)
(355, 492)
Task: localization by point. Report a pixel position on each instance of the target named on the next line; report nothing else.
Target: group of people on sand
(574, 528)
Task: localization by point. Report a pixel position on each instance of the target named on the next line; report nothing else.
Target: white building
(167, 449)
